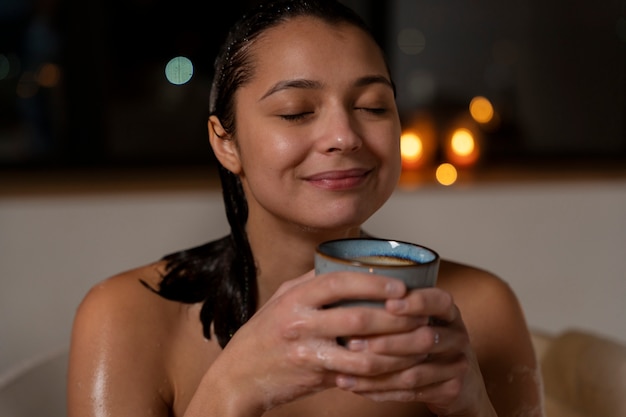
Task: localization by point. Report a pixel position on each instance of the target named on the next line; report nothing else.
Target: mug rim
(320, 252)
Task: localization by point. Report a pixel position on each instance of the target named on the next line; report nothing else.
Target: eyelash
(376, 110)
(294, 117)
(301, 116)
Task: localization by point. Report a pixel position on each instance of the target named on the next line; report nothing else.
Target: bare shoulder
(120, 334)
(489, 307)
(499, 337)
(474, 287)
(126, 302)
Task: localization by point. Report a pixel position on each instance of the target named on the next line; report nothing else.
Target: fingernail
(395, 288)
(357, 345)
(344, 381)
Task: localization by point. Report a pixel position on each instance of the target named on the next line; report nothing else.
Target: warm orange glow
(493, 124)
(418, 143)
(481, 109)
(446, 174)
(412, 179)
(411, 147)
(48, 75)
(462, 142)
(462, 148)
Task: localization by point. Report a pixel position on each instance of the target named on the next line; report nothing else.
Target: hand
(288, 349)
(434, 363)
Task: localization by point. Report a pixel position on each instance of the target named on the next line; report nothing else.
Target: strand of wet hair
(239, 289)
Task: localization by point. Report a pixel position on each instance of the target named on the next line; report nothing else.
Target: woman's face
(317, 128)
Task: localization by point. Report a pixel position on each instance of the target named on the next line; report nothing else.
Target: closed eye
(373, 110)
(295, 117)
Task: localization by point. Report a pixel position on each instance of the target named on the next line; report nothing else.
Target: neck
(284, 252)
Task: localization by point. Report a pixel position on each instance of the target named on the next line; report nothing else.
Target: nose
(340, 135)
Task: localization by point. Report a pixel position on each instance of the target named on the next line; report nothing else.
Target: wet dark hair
(222, 273)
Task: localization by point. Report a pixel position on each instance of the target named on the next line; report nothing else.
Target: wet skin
(317, 149)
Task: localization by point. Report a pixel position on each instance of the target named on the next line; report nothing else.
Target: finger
(332, 357)
(337, 286)
(362, 322)
(424, 394)
(441, 393)
(416, 378)
(398, 395)
(432, 302)
(366, 365)
(424, 340)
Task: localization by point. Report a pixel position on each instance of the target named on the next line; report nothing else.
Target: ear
(224, 146)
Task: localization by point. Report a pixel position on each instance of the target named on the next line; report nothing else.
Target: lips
(339, 180)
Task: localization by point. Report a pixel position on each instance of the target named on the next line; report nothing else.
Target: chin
(342, 220)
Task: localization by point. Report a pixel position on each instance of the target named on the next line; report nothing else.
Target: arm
(503, 345)
(288, 349)
(127, 348)
(115, 368)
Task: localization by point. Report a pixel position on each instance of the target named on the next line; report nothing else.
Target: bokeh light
(411, 41)
(179, 70)
(446, 174)
(418, 143)
(411, 150)
(421, 87)
(462, 142)
(48, 75)
(10, 66)
(462, 147)
(481, 109)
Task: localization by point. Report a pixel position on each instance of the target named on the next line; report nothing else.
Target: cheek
(271, 153)
(388, 149)
(285, 147)
(389, 153)
(394, 146)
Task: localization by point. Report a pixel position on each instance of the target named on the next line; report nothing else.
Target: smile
(339, 180)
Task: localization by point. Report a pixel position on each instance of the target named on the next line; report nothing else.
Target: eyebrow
(315, 85)
(297, 83)
(374, 79)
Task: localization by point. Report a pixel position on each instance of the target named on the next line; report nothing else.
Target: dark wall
(556, 70)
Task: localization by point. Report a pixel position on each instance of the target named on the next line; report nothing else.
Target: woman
(304, 124)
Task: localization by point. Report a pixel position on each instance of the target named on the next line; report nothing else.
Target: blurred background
(514, 132)
(482, 83)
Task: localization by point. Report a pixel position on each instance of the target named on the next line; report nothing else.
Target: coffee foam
(385, 260)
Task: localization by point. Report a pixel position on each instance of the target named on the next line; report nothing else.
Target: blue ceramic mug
(414, 264)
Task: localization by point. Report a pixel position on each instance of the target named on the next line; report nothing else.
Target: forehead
(307, 47)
